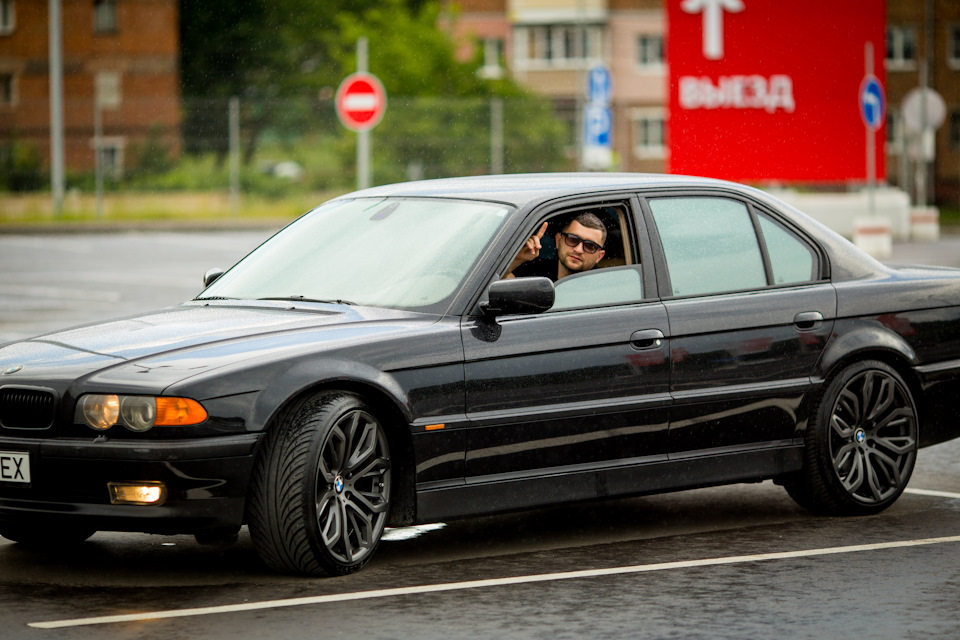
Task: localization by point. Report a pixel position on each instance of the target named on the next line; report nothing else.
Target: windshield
(398, 253)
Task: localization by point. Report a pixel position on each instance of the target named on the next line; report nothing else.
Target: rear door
(750, 309)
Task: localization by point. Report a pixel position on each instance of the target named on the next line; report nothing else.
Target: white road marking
(935, 494)
(481, 584)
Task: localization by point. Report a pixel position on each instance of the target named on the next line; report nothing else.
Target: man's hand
(529, 251)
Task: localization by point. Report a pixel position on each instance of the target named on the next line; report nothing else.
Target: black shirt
(539, 267)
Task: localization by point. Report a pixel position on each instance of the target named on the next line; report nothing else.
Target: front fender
(328, 372)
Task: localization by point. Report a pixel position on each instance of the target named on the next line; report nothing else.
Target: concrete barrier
(873, 235)
(843, 211)
(925, 224)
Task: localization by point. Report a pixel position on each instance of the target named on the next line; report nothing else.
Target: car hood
(189, 338)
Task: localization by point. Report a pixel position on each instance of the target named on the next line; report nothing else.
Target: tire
(320, 491)
(45, 536)
(861, 445)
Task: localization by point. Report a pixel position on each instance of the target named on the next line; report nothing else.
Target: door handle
(647, 339)
(808, 320)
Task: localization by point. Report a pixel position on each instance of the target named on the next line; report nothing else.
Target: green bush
(21, 167)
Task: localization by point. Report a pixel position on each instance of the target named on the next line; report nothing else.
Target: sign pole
(871, 137)
(57, 162)
(363, 136)
(360, 102)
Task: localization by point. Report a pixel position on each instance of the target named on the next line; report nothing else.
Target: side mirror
(211, 275)
(519, 295)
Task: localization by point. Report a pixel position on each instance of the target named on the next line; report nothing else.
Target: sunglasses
(572, 240)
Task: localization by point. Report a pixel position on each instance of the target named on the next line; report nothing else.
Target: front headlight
(137, 413)
(100, 412)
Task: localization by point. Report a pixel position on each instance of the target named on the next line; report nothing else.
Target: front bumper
(206, 481)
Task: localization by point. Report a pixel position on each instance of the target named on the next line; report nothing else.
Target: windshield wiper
(302, 299)
(216, 298)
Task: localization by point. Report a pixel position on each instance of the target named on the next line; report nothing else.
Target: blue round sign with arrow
(873, 102)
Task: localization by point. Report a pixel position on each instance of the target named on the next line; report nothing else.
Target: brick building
(548, 45)
(119, 54)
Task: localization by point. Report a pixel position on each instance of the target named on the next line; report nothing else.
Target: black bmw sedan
(432, 350)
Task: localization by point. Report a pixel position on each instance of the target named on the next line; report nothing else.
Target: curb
(256, 224)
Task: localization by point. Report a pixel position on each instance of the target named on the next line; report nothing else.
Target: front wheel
(320, 491)
(861, 445)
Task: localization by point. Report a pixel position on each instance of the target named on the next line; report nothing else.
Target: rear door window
(718, 244)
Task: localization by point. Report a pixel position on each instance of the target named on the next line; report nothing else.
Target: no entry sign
(360, 101)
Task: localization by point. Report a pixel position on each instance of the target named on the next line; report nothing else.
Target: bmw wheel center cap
(860, 436)
(338, 484)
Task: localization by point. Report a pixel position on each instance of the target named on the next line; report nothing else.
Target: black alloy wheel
(861, 445)
(320, 493)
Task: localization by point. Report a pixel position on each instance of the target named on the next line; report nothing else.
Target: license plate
(15, 466)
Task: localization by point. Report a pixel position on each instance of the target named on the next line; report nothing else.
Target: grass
(950, 218)
(82, 209)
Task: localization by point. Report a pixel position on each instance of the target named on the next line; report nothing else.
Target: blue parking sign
(597, 123)
(599, 85)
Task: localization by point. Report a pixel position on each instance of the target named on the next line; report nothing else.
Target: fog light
(154, 493)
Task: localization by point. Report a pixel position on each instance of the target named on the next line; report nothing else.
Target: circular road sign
(360, 101)
(923, 108)
(873, 102)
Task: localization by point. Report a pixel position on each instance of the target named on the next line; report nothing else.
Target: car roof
(522, 189)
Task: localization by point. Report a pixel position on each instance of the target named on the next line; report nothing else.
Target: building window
(492, 56)
(955, 130)
(111, 156)
(649, 133)
(650, 51)
(104, 16)
(7, 93)
(953, 54)
(558, 45)
(894, 132)
(7, 17)
(901, 48)
(107, 89)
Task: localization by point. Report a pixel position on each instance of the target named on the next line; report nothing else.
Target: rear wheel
(320, 492)
(861, 445)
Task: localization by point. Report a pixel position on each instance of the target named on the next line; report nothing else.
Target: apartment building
(120, 78)
(548, 45)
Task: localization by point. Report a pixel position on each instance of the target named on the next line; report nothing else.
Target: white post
(363, 136)
(234, 152)
(496, 136)
(871, 138)
(98, 149)
(56, 107)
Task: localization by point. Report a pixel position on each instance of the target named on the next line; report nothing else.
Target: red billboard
(768, 90)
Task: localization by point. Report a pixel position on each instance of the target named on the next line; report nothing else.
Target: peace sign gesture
(529, 250)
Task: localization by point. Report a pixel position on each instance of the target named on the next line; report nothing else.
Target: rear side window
(710, 245)
(714, 245)
(791, 259)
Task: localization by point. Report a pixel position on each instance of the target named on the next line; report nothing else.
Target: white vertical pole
(234, 151)
(363, 136)
(56, 106)
(871, 137)
(496, 136)
(98, 149)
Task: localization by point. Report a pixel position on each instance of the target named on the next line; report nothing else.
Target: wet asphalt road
(732, 562)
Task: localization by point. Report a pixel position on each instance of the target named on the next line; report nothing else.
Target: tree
(267, 51)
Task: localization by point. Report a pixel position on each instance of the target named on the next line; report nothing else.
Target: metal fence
(275, 146)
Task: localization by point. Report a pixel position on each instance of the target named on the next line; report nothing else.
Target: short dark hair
(591, 221)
